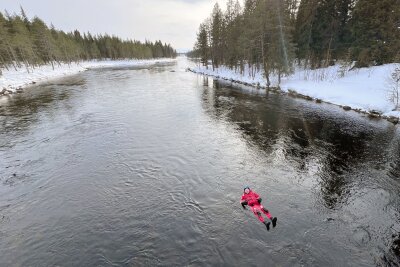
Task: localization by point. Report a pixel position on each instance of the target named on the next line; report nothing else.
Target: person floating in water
(252, 199)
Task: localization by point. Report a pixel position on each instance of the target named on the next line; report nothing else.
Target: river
(145, 167)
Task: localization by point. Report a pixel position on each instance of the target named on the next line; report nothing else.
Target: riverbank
(364, 90)
(12, 80)
(77, 155)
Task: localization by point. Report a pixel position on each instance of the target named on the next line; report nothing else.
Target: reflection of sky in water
(87, 150)
(340, 150)
(348, 161)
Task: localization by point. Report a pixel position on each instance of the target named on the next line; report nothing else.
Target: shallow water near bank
(145, 166)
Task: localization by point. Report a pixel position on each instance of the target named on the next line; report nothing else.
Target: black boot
(274, 221)
(267, 224)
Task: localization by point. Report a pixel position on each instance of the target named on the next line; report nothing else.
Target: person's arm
(243, 202)
(256, 196)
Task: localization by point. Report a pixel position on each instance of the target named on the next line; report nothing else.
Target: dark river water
(146, 166)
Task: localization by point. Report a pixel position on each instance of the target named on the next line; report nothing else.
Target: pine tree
(233, 21)
(375, 31)
(344, 9)
(322, 32)
(217, 28)
(283, 51)
(25, 18)
(303, 29)
(7, 53)
(21, 41)
(45, 45)
(201, 46)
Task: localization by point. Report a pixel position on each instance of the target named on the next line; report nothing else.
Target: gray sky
(172, 21)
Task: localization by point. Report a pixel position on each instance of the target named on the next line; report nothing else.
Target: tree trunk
(279, 76)
(265, 64)
(328, 53)
(12, 55)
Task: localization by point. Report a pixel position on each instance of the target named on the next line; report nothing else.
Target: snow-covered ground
(13, 79)
(366, 89)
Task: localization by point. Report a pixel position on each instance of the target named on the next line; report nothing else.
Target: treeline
(272, 35)
(30, 43)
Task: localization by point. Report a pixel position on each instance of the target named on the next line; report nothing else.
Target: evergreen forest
(275, 35)
(30, 42)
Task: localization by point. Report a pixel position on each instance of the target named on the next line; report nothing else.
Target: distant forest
(273, 35)
(31, 43)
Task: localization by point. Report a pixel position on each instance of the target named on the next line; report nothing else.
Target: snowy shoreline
(12, 81)
(362, 90)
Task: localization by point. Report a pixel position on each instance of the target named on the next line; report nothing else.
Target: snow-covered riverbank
(364, 89)
(11, 80)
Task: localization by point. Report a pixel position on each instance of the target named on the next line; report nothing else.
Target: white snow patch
(366, 89)
(13, 79)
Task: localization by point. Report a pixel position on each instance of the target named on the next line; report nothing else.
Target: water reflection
(341, 154)
(395, 249)
(322, 146)
(85, 158)
(19, 112)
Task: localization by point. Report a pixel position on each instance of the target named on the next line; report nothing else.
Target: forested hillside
(30, 43)
(273, 35)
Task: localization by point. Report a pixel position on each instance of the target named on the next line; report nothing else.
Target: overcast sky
(172, 21)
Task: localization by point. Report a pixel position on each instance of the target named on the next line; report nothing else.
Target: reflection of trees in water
(323, 144)
(395, 249)
(205, 81)
(341, 154)
(393, 157)
(394, 170)
(391, 256)
(340, 157)
(20, 111)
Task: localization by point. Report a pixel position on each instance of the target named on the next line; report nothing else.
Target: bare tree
(394, 87)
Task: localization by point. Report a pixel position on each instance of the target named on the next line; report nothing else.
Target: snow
(13, 79)
(366, 89)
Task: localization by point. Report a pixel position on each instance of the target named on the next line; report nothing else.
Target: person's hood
(246, 188)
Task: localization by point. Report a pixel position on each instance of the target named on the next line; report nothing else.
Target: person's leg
(257, 212)
(266, 212)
